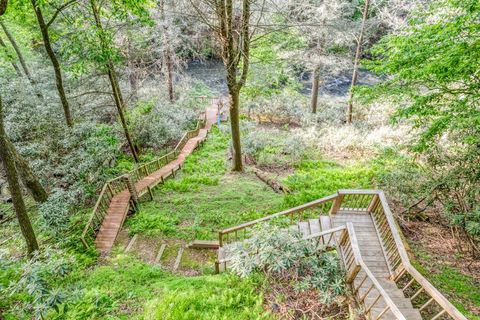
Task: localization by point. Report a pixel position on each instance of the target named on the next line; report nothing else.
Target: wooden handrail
(362, 265)
(303, 207)
(137, 173)
(426, 285)
(358, 262)
(394, 251)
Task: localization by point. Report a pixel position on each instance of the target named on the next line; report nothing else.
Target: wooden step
(160, 253)
(204, 244)
(325, 223)
(179, 258)
(314, 226)
(131, 243)
(304, 228)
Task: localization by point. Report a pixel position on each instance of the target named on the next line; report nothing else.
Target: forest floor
(455, 274)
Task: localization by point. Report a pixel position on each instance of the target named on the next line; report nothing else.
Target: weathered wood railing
(353, 263)
(109, 190)
(420, 291)
(430, 302)
(355, 267)
(294, 215)
(126, 183)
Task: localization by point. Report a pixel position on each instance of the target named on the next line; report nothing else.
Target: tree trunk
(315, 85)
(15, 191)
(3, 6)
(17, 51)
(169, 65)
(234, 36)
(27, 175)
(112, 77)
(356, 62)
(14, 65)
(117, 96)
(56, 65)
(235, 126)
(167, 54)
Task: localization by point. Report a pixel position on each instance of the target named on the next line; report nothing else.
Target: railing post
(220, 239)
(337, 203)
(351, 275)
(373, 203)
(150, 192)
(132, 189)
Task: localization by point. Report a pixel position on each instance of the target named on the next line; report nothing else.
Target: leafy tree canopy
(432, 71)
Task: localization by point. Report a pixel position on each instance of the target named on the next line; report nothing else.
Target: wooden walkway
(360, 227)
(120, 203)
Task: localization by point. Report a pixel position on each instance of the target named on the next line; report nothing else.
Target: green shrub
(284, 257)
(212, 297)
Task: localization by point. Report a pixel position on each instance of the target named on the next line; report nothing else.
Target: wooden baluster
(426, 304)
(408, 284)
(380, 315)
(367, 311)
(416, 294)
(361, 284)
(366, 293)
(337, 203)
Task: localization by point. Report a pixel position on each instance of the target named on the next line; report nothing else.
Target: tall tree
(10, 57)
(315, 86)
(231, 25)
(27, 175)
(167, 50)
(356, 61)
(106, 47)
(325, 25)
(15, 46)
(15, 190)
(44, 26)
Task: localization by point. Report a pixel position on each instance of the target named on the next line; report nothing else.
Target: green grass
(126, 288)
(459, 288)
(208, 297)
(314, 179)
(204, 197)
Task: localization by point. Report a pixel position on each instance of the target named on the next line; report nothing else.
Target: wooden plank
(204, 244)
(160, 253)
(314, 226)
(304, 229)
(131, 243)
(179, 258)
(325, 223)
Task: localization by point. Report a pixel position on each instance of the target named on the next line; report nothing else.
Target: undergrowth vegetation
(63, 288)
(291, 266)
(204, 197)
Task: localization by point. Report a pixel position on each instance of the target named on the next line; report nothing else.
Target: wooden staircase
(359, 225)
(121, 194)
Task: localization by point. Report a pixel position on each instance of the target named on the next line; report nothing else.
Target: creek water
(212, 73)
